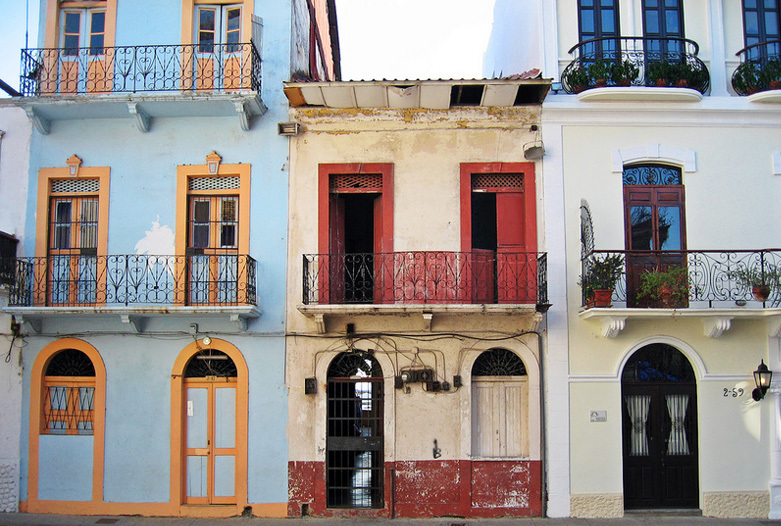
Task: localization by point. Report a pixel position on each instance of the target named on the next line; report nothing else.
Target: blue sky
(402, 39)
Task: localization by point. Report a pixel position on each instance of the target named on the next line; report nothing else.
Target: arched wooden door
(210, 382)
(659, 406)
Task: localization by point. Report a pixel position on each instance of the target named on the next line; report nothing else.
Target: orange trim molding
(45, 178)
(178, 413)
(55, 7)
(188, 17)
(36, 390)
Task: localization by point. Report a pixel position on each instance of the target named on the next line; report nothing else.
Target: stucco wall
(726, 152)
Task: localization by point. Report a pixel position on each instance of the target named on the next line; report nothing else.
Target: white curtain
(637, 406)
(676, 406)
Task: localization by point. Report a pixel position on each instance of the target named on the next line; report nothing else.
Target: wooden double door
(660, 446)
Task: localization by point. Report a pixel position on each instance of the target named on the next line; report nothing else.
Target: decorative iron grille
(759, 69)
(138, 279)
(657, 363)
(486, 181)
(363, 182)
(498, 362)
(354, 443)
(425, 277)
(635, 61)
(70, 362)
(69, 394)
(716, 279)
(210, 362)
(133, 69)
(7, 258)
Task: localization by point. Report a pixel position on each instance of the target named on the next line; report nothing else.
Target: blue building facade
(151, 281)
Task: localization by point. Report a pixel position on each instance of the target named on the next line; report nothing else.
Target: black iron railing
(83, 280)
(133, 69)
(635, 61)
(705, 278)
(425, 277)
(759, 69)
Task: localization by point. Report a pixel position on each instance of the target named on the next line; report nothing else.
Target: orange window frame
(55, 10)
(46, 176)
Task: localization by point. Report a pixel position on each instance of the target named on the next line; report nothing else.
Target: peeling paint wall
(426, 148)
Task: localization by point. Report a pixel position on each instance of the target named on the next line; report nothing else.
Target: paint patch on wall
(159, 241)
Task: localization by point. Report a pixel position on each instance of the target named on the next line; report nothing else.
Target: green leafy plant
(770, 75)
(746, 78)
(600, 71)
(578, 79)
(624, 72)
(668, 287)
(602, 273)
(762, 281)
(658, 73)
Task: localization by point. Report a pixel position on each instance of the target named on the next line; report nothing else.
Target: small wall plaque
(597, 416)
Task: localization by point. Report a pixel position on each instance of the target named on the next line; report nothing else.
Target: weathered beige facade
(428, 439)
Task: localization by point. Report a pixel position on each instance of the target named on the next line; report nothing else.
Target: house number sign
(734, 392)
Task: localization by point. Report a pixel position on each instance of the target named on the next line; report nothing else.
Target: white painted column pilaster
(773, 399)
(718, 58)
(550, 39)
(556, 432)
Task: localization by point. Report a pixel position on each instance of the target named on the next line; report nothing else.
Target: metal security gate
(354, 444)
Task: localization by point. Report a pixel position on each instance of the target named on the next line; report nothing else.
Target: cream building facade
(416, 299)
(663, 138)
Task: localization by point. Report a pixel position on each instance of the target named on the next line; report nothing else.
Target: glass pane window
(669, 228)
(206, 30)
(89, 224)
(200, 224)
(61, 233)
(233, 28)
(760, 23)
(71, 36)
(641, 228)
(97, 32)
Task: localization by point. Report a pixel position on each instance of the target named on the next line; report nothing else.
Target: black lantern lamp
(762, 377)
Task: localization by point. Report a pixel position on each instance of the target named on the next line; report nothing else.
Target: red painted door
(332, 283)
(515, 272)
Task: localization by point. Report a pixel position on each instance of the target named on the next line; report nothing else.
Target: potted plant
(668, 288)
(624, 73)
(600, 279)
(745, 80)
(600, 71)
(658, 73)
(771, 74)
(578, 79)
(762, 281)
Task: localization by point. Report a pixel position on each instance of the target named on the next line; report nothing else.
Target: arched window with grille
(500, 405)
(69, 395)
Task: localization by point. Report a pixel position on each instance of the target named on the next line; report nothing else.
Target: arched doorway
(209, 425)
(659, 407)
(500, 405)
(354, 440)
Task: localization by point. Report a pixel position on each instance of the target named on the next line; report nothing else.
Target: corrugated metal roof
(418, 93)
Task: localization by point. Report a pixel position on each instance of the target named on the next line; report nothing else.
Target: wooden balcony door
(217, 64)
(501, 270)
(72, 251)
(655, 222)
(83, 67)
(212, 249)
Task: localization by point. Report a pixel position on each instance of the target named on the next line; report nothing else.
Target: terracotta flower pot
(775, 84)
(603, 298)
(761, 292)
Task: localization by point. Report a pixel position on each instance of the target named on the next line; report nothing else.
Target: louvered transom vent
(364, 182)
(214, 183)
(73, 186)
(486, 181)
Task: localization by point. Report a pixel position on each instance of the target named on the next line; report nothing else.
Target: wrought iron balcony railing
(133, 69)
(759, 69)
(426, 278)
(635, 61)
(702, 278)
(123, 280)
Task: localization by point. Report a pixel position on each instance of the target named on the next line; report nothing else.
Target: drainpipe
(543, 432)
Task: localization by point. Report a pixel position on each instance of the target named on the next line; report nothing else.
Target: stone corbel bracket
(34, 324)
(133, 321)
(143, 120)
(41, 123)
(715, 327)
(613, 325)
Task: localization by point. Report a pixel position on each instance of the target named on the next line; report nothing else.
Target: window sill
(772, 96)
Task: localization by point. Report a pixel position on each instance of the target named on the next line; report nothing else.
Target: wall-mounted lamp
(73, 165)
(535, 149)
(207, 340)
(213, 162)
(762, 377)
